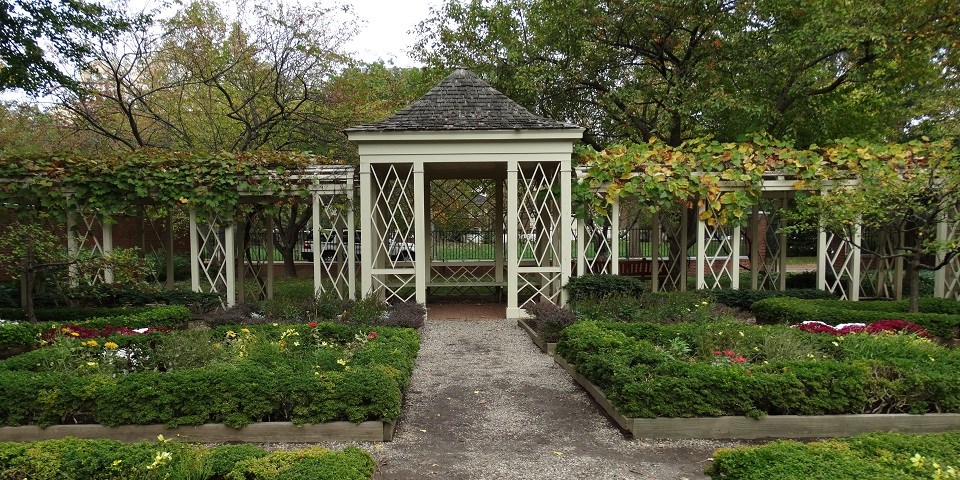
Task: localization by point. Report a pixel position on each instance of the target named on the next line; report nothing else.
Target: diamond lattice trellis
(86, 238)
(463, 243)
(671, 229)
(393, 230)
(333, 213)
(838, 274)
(765, 221)
(879, 270)
(597, 247)
(539, 232)
(211, 253)
(720, 256)
(948, 278)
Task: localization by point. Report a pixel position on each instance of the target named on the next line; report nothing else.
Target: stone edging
(261, 432)
(770, 426)
(548, 348)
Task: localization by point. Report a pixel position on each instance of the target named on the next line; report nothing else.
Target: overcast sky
(384, 31)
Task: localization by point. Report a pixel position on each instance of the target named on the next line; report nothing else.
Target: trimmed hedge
(876, 455)
(743, 299)
(75, 459)
(728, 368)
(939, 317)
(26, 335)
(265, 381)
(602, 286)
(69, 315)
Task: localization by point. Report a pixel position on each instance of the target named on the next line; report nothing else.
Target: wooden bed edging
(770, 426)
(545, 347)
(261, 432)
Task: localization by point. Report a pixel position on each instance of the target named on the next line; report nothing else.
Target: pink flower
(729, 353)
(738, 359)
(716, 352)
(371, 335)
(313, 324)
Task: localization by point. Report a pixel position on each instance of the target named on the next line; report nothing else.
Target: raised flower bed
(252, 383)
(733, 380)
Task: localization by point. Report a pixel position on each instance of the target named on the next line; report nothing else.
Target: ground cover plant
(723, 367)
(939, 317)
(877, 455)
(75, 459)
(305, 373)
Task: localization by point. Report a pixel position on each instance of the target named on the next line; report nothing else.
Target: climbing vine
(110, 184)
(726, 179)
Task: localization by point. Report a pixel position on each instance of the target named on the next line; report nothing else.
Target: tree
(633, 70)
(36, 34)
(909, 189)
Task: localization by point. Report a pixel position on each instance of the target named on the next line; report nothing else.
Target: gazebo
(463, 129)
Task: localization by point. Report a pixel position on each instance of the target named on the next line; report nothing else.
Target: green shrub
(76, 459)
(743, 299)
(70, 315)
(877, 455)
(793, 311)
(600, 286)
(549, 319)
(730, 368)
(654, 307)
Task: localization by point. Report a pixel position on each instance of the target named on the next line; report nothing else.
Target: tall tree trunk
(913, 277)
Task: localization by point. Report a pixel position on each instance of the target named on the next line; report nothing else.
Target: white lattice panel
(839, 266)
(393, 230)
(672, 270)
(948, 278)
(598, 243)
(458, 209)
(331, 250)
(86, 240)
(539, 232)
(879, 270)
(211, 253)
(719, 256)
(769, 267)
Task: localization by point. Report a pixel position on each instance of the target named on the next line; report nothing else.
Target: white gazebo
(465, 130)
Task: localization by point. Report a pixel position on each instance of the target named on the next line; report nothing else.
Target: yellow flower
(244, 330)
(91, 364)
(111, 345)
(117, 462)
(341, 361)
(91, 343)
(75, 334)
(231, 334)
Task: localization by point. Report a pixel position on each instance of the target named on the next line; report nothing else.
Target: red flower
(738, 359)
(716, 352)
(313, 324)
(729, 353)
(371, 335)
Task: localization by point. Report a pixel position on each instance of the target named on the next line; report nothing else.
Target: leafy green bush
(655, 307)
(600, 286)
(730, 368)
(76, 459)
(743, 299)
(70, 315)
(942, 322)
(233, 375)
(877, 455)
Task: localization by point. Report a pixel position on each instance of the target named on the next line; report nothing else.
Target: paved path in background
(484, 403)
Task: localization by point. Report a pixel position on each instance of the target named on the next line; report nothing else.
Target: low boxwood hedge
(939, 317)
(75, 459)
(729, 368)
(26, 335)
(298, 373)
(603, 285)
(743, 299)
(877, 455)
(69, 314)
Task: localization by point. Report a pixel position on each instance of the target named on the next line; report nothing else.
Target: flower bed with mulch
(235, 376)
(719, 369)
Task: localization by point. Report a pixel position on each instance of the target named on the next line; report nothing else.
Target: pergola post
(566, 214)
(655, 253)
(351, 259)
(684, 241)
(315, 231)
(498, 235)
(168, 253)
(268, 221)
(229, 246)
(782, 252)
(366, 229)
(194, 253)
(854, 285)
(755, 261)
(73, 248)
(240, 268)
(701, 249)
(822, 259)
(581, 247)
(735, 258)
(106, 228)
(421, 252)
(614, 237)
(513, 208)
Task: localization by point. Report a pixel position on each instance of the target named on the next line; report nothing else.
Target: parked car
(328, 244)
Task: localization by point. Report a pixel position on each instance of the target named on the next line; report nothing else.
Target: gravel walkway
(484, 403)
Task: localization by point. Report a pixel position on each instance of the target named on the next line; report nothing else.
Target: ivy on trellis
(726, 178)
(111, 183)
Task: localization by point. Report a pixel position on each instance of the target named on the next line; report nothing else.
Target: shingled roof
(462, 101)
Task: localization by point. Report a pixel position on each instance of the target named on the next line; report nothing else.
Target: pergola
(465, 129)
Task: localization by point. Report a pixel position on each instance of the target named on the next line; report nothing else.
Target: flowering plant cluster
(78, 331)
(727, 356)
(874, 328)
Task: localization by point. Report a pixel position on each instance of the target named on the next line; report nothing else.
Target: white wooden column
(701, 249)
(822, 259)
(854, 289)
(513, 310)
(315, 232)
(782, 242)
(498, 234)
(106, 227)
(229, 237)
(581, 247)
(420, 231)
(366, 231)
(615, 237)
(735, 253)
(684, 241)
(755, 247)
(268, 220)
(194, 253)
(566, 238)
(351, 259)
(73, 247)
(655, 253)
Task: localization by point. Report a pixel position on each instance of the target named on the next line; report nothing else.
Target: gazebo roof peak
(462, 102)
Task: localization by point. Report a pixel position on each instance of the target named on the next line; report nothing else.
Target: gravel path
(484, 403)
